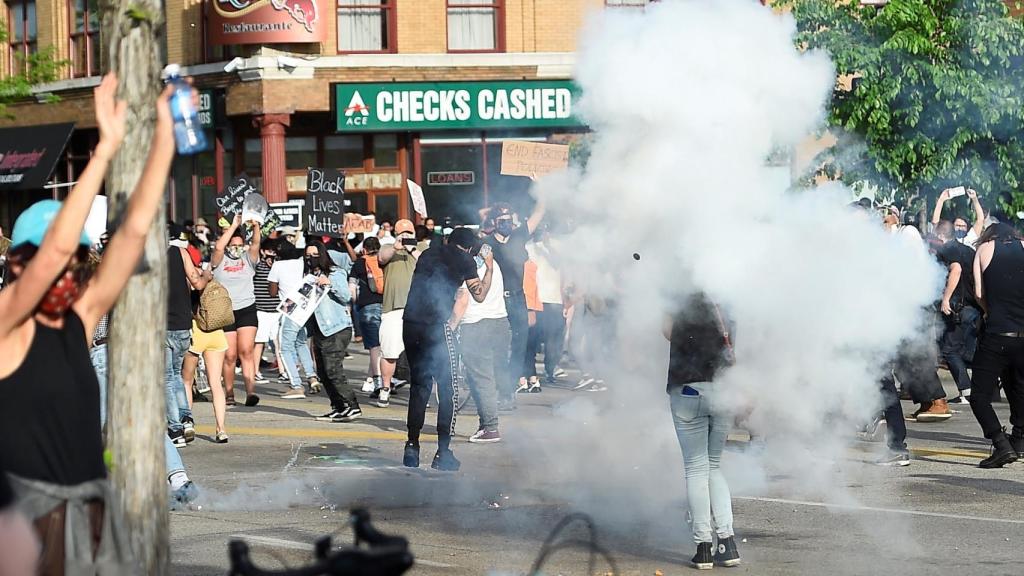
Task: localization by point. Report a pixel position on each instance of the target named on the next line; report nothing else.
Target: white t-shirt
(971, 239)
(287, 274)
(549, 280)
(493, 306)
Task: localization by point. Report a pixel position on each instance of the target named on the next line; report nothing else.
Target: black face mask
(312, 263)
(503, 227)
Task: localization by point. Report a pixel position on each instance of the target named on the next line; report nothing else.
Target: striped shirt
(264, 301)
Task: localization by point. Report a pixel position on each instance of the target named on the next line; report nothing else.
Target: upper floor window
(84, 29)
(366, 25)
(475, 26)
(21, 19)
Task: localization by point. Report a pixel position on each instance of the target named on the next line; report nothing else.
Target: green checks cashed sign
(400, 106)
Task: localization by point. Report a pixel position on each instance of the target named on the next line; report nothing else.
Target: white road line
(877, 509)
(434, 564)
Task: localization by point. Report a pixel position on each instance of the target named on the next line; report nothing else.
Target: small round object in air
(636, 256)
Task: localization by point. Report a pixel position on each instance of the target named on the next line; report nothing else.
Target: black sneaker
(411, 459)
(252, 400)
(1017, 440)
(703, 560)
(330, 416)
(445, 461)
(177, 438)
(350, 414)
(1002, 453)
(959, 400)
(189, 426)
(727, 555)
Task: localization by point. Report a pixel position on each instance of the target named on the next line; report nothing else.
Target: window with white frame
(366, 25)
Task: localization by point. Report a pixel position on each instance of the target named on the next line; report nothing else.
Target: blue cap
(32, 225)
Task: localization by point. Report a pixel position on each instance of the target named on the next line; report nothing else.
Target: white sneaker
(397, 383)
(368, 385)
(260, 379)
(523, 387)
(383, 401)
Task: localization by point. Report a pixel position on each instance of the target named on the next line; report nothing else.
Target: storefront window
(385, 150)
(474, 25)
(453, 181)
(300, 153)
(343, 152)
(385, 206)
(254, 157)
(358, 202)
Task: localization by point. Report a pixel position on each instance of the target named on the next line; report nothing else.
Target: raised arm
(126, 244)
(23, 295)
(222, 243)
(537, 216)
(197, 277)
(937, 213)
(979, 212)
(254, 247)
(479, 288)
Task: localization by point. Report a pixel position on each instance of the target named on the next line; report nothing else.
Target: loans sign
(401, 106)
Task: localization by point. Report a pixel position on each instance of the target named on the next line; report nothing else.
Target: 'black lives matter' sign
(325, 202)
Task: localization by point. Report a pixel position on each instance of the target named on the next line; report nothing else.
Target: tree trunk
(133, 36)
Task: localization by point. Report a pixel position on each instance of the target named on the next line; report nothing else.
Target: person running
(999, 288)
(331, 329)
(699, 348)
(484, 337)
(234, 267)
(509, 244)
(367, 283)
(398, 260)
(428, 331)
(50, 433)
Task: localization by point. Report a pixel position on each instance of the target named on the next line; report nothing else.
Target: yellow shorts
(207, 341)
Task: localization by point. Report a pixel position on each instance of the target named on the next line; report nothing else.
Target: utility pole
(132, 33)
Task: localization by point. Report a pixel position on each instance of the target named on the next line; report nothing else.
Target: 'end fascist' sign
(455, 105)
(325, 202)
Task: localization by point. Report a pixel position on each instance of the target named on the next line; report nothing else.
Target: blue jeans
(702, 430)
(98, 355)
(958, 343)
(174, 387)
(295, 350)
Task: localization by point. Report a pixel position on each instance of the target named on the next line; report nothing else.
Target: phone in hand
(485, 250)
(408, 241)
(957, 192)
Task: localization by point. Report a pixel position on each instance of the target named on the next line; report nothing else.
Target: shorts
(391, 343)
(207, 341)
(244, 318)
(269, 326)
(369, 325)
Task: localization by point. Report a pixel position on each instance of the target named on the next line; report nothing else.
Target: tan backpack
(215, 310)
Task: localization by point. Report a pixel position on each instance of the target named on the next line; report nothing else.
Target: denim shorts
(369, 324)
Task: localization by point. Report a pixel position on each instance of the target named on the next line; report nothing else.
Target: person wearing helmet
(50, 437)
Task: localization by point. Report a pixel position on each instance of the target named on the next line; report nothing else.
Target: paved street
(285, 479)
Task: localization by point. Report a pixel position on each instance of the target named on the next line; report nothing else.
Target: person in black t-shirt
(959, 308)
(699, 347)
(431, 316)
(508, 242)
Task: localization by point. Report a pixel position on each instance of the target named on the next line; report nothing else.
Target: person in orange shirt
(533, 308)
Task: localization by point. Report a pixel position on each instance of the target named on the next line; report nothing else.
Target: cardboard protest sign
(299, 304)
(359, 224)
(520, 158)
(271, 221)
(419, 203)
(288, 214)
(325, 202)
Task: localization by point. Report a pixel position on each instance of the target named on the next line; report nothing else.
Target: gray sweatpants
(485, 356)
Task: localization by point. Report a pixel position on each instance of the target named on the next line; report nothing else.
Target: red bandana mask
(61, 296)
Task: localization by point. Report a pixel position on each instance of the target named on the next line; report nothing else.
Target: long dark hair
(325, 263)
(998, 232)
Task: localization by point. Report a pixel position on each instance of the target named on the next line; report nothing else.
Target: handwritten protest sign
(419, 203)
(325, 202)
(270, 222)
(359, 224)
(232, 198)
(520, 158)
(288, 213)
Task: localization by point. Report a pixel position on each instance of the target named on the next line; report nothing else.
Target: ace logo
(357, 106)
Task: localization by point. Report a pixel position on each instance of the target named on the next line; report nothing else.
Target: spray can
(188, 132)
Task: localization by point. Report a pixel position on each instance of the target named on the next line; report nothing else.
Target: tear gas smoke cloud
(687, 100)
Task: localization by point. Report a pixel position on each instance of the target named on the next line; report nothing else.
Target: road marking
(943, 452)
(878, 509)
(292, 545)
(316, 433)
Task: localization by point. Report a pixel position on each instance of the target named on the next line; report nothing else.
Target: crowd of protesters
(470, 306)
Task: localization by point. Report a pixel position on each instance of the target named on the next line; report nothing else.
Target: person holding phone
(967, 235)
(699, 348)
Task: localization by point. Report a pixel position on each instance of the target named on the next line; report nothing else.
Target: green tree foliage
(936, 97)
(39, 68)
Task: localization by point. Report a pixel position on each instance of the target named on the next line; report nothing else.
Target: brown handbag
(215, 311)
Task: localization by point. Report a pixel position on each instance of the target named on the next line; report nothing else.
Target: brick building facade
(273, 107)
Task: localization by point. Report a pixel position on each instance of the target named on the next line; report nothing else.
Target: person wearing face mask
(234, 266)
(508, 242)
(51, 443)
(268, 318)
(285, 277)
(398, 261)
(960, 311)
(432, 314)
(366, 282)
(331, 330)
(964, 234)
